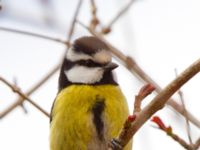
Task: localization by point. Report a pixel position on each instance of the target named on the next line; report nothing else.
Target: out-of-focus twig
(159, 101)
(180, 93)
(36, 86)
(134, 68)
(69, 36)
(107, 29)
(20, 100)
(35, 35)
(18, 91)
(94, 21)
(22, 104)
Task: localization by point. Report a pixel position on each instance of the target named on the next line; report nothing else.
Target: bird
(90, 108)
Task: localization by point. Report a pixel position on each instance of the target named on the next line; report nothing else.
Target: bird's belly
(74, 127)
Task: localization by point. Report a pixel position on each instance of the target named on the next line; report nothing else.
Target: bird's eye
(89, 63)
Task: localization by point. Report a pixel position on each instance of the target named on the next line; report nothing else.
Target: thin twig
(93, 6)
(136, 70)
(186, 116)
(22, 104)
(17, 90)
(48, 75)
(94, 21)
(180, 93)
(159, 101)
(118, 16)
(74, 21)
(35, 35)
(35, 87)
(143, 93)
(182, 142)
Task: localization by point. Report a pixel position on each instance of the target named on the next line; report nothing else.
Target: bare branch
(182, 142)
(17, 90)
(129, 129)
(177, 107)
(94, 21)
(35, 87)
(34, 35)
(74, 21)
(134, 123)
(22, 104)
(159, 101)
(93, 7)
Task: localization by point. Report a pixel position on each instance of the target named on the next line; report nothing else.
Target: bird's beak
(110, 66)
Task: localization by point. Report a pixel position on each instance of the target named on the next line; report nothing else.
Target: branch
(17, 90)
(135, 69)
(159, 101)
(20, 100)
(22, 104)
(47, 37)
(143, 93)
(34, 35)
(35, 87)
(94, 21)
(74, 21)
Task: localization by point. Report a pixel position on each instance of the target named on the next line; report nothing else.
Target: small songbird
(89, 109)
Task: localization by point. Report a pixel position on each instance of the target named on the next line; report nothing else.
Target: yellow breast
(72, 126)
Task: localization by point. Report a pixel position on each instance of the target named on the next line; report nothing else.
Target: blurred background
(161, 35)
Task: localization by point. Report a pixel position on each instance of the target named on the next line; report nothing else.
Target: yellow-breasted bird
(89, 109)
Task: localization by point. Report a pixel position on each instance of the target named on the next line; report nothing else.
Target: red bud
(131, 118)
(159, 122)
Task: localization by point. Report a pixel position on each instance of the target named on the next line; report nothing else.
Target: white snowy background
(160, 35)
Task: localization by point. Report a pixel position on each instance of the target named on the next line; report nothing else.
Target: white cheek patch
(82, 74)
(102, 57)
(73, 56)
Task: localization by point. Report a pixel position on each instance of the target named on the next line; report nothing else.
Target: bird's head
(88, 61)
